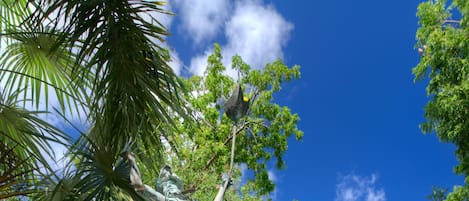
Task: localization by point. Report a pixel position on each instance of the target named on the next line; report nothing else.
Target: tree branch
(221, 192)
(451, 21)
(209, 163)
(236, 131)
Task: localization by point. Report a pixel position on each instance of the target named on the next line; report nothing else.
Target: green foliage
(12, 14)
(30, 67)
(262, 136)
(443, 43)
(460, 193)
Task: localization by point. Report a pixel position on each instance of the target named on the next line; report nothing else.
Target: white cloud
(255, 31)
(358, 188)
(202, 19)
(379, 195)
(273, 177)
(198, 64)
(57, 162)
(175, 63)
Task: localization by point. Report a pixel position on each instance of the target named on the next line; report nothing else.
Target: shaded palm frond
(30, 135)
(98, 175)
(16, 174)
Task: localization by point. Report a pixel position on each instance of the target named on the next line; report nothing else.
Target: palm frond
(12, 13)
(31, 136)
(134, 89)
(32, 63)
(98, 175)
(16, 174)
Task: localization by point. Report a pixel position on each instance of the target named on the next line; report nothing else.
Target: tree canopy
(443, 42)
(202, 151)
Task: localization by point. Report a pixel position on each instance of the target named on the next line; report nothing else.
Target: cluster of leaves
(203, 154)
(444, 47)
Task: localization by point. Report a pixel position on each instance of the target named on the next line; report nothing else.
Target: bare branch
(451, 21)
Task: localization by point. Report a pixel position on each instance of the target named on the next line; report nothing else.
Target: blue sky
(358, 104)
(359, 107)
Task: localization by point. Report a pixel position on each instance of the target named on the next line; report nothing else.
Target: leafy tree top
(443, 43)
(261, 136)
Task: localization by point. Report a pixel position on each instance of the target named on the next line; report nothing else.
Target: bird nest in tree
(237, 105)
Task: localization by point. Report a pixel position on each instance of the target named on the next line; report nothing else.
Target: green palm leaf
(12, 13)
(134, 86)
(32, 61)
(97, 176)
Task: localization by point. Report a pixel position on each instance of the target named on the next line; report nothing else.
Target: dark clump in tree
(237, 105)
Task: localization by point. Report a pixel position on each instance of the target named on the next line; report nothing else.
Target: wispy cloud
(202, 19)
(254, 30)
(273, 177)
(354, 187)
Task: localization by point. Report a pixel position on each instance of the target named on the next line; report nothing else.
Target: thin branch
(237, 131)
(451, 21)
(254, 98)
(8, 195)
(253, 134)
(222, 191)
(212, 160)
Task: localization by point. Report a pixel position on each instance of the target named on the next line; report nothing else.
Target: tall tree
(443, 42)
(201, 152)
(27, 70)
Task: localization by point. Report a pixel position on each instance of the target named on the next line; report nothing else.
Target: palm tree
(29, 69)
(97, 57)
